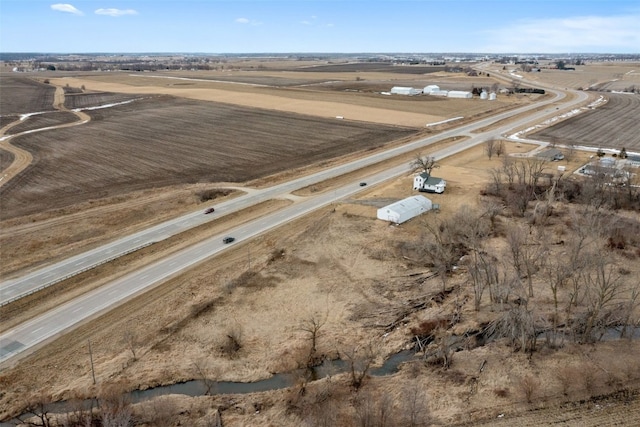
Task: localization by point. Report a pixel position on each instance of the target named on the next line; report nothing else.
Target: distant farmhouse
(429, 184)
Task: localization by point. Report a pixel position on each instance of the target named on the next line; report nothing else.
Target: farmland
(372, 288)
(161, 141)
(613, 125)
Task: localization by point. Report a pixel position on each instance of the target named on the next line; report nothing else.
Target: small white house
(428, 89)
(400, 90)
(460, 94)
(405, 209)
(429, 184)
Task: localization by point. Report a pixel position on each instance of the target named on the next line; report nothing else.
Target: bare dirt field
(162, 141)
(597, 76)
(371, 287)
(612, 125)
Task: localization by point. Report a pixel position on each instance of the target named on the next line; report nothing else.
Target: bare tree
(527, 251)
(602, 291)
(558, 273)
(414, 406)
(204, 372)
(312, 325)
(490, 147)
(359, 360)
(231, 343)
(499, 148)
(115, 408)
(374, 411)
(424, 164)
(131, 341)
(36, 411)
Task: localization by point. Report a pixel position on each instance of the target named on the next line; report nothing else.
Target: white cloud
(115, 12)
(67, 8)
(305, 22)
(574, 34)
(246, 21)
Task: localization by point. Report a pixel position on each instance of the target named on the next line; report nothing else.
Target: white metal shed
(430, 88)
(400, 90)
(405, 209)
(459, 94)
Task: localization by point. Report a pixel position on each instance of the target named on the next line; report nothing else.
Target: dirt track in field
(23, 158)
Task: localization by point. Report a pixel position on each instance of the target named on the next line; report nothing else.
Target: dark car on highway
(209, 210)
(228, 240)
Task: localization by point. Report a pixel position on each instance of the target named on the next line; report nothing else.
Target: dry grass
(342, 262)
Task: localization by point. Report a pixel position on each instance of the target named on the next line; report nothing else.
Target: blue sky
(261, 26)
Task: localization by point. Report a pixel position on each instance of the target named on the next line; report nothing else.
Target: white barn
(430, 88)
(405, 209)
(439, 93)
(400, 90)
(459, 94)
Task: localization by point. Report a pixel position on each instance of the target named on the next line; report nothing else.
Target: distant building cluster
(434, 90)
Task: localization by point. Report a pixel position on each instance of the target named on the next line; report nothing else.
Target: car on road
(228, 240)
(209, 210)
(362, 184)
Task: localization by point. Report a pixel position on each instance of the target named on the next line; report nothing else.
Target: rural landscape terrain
(516, 301)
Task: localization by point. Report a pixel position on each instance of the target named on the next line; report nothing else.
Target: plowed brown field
(615, 124)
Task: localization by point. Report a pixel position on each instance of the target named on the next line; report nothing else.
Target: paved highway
(15, 288)
(41, 329)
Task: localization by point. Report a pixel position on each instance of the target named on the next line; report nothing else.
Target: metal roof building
(400, 90)
(405, 209)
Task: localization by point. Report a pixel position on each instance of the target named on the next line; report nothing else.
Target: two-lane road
(39, 330)
(18, 287)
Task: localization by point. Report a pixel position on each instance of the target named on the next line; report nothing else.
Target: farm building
(400, 90)
(439, 93)
(459, 94)
(633, 161)
(429, 184)
(405, 209)
(552, 154)
(430, 88)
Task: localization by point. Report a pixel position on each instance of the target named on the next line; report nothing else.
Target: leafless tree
(231, 342)
(529, 387)
(527, 251)
(204, 372)
(131, 341)
(374, 411)
(414, 406)
(80, 413)
(603, 288)
(115, 408)
(36, 411)
(424, 164)
(499, 148)
(557, 272)
(518, 325)
(359, 360)
(490, 147)
(312, 325)
(161, 411)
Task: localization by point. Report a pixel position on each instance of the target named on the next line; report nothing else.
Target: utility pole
(93, 372)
